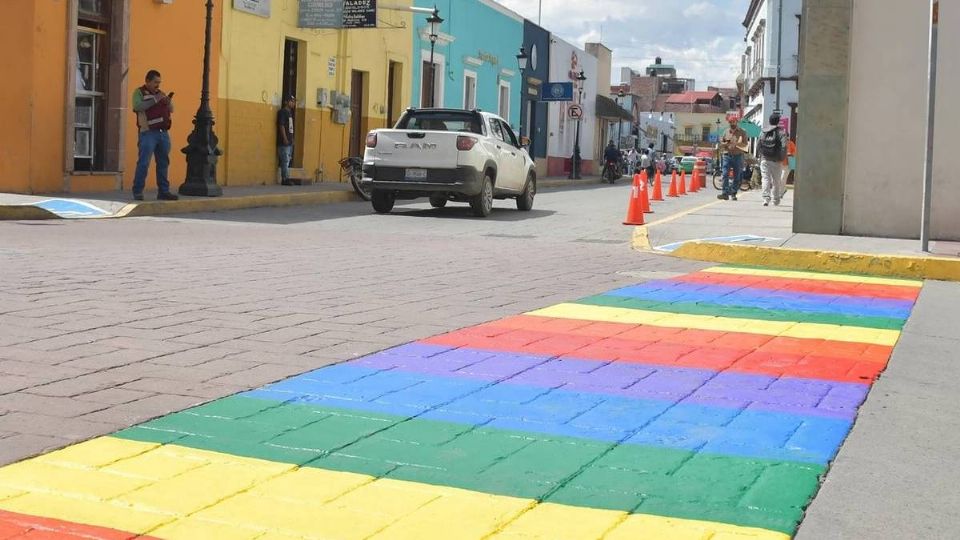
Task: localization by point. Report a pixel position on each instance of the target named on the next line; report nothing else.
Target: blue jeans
(154, 143)
(284, 155)
(734, 163)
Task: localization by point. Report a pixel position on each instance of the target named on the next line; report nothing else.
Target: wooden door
(356, 113)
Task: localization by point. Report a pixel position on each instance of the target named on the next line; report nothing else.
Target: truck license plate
(416, 174)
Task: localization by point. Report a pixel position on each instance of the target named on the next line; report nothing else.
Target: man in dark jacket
(285, 120)
(773, 150)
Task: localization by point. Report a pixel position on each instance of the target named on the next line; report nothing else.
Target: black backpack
(771, 146)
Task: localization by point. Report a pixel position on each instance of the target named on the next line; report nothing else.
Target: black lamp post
(576, 160)
(522, 59)
(619, 120)
(201, 150)
(434, 21)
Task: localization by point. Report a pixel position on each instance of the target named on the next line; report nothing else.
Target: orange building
(72, 67)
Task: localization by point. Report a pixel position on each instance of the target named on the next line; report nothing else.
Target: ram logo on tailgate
(416, 146)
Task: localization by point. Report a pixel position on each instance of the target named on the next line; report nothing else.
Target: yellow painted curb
(901, 266)
(16, 212)
(216, 204)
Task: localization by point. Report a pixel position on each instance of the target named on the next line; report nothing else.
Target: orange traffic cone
(682, 184)
(694, 181)
(657, 188)
(673, 185)
(635, 206)
(644, 196)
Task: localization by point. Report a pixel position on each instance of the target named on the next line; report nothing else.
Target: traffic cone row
(640, 198)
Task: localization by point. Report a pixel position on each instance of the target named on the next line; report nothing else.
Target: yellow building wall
(684, 120)
(250, 90)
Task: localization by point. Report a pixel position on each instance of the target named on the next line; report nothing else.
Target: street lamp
(522, 59)
(201, 150)
(619, 120)
(576, 160)
(434, 21)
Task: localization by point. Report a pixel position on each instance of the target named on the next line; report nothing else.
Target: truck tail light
(465, 143)
(371, 140)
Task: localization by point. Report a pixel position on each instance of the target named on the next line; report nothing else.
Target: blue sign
(713, 137)
(67, 208)
(556, 91)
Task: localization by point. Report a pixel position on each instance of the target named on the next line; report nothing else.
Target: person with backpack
(773, 150)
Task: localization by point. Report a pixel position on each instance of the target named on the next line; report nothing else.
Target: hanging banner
(338, 14)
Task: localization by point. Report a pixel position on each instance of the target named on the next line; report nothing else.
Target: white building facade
(566, 62)
(760, 61)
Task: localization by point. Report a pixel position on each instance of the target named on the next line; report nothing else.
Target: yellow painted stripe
(795, 274)
(723, 324)
(180, 493)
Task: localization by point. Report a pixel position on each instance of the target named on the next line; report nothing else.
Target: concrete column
(821, 138)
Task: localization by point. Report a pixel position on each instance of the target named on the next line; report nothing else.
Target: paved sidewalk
(116, 204)
(684, 407)
(745, 232)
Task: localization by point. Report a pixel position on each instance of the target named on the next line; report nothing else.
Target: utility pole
(931, 106)
(776, 106)
(539, 12)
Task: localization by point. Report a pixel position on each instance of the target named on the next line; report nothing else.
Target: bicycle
(745, 183)
(353, 166)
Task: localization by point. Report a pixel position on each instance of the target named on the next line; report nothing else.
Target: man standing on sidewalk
(734, 143)
(153, 109)
(773, 151)
(285, 139)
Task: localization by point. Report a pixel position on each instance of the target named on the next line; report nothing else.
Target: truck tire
(482, 203)
(438, 201)
(525, 200)
(382, 201)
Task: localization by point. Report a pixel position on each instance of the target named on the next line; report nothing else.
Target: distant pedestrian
(285, 139)
(789, 163)
(645, 162)
(652, 165)
(734, 144)
(773, 151)
(632, 160)
(153, 109)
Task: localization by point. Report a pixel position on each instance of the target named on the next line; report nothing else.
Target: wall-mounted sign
(575, 111)
(332, 66)
(488, 58)
(256, 7)
(338, 14)
(556, 91)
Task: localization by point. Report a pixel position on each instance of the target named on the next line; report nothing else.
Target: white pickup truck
(448, 155)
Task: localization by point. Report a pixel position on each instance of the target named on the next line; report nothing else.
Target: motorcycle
(353, 166)
(611, 171)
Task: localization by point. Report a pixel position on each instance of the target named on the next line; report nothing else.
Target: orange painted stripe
(678, 347)
(14, 525)
(861, 290)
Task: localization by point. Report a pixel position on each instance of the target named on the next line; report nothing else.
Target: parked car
(448, 155)
(687, 163)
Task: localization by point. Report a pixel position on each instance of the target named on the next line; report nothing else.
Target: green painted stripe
(716, 310)
(674, 483)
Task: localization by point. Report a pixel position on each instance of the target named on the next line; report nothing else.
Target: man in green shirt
(153, 109)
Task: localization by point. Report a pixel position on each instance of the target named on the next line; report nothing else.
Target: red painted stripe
(706, 349)
(864, 290)
(14, 525)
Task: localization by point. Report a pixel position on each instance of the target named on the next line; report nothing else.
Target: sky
(703, 39)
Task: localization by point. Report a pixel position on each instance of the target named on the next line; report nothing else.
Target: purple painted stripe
(640, 381)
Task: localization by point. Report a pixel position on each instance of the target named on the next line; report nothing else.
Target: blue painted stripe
(727, 430)
(677, 291)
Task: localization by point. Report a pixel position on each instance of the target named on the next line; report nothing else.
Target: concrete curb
(16, 212)
(547, 183)
(213, 204)
(900, 266)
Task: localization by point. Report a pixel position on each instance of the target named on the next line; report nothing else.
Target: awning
(609, 110)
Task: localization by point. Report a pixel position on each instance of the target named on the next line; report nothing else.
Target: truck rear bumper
(462, 180)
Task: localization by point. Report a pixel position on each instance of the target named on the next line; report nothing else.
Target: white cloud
(703, 39)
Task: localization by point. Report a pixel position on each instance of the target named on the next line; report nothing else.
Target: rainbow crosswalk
(707, 406)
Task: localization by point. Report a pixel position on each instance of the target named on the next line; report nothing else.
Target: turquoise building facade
(475, 58)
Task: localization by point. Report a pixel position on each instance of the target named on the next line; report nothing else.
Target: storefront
(533, 113)
(566, 63)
